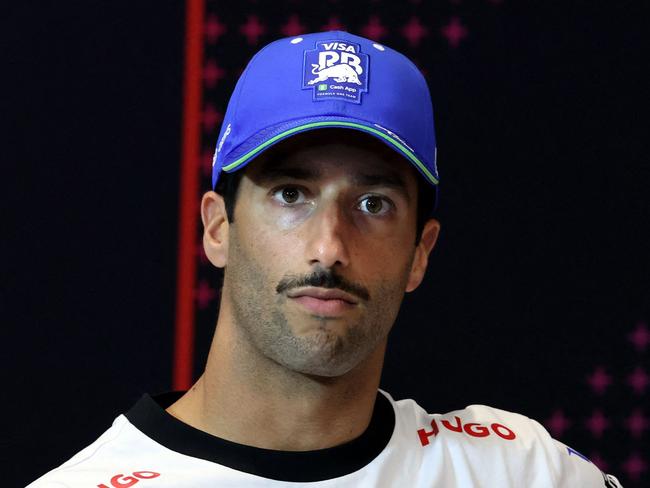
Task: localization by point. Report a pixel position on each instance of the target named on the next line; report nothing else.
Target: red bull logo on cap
(336, 70)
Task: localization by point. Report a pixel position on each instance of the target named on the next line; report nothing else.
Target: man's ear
(215, 228)
(421, 258)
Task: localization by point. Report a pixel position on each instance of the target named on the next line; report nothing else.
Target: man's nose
(328, 236)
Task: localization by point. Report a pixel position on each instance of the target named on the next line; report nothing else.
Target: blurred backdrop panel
(537, 297)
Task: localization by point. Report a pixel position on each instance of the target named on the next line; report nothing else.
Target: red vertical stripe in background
(189, 195)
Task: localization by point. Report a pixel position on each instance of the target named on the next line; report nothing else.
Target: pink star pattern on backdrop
(640, 337)
(293, 27)
(558, 423)
(414, 31)
(637, 423)
(454, 31)
(374, 29)
(634, 425)
(214, 29)
(211, 117)
(204, 294)
(253, 29)
(597, 424)
(599, 380)
(599, 461)
(212, 73)
(638, 380)
(206, 162)
(333, 23)
(634, 466)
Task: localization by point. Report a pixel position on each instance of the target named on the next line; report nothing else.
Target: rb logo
(340, 62)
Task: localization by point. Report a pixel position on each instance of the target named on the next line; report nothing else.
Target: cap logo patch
(336, 71)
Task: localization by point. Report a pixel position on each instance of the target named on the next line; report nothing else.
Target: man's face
(320, 250)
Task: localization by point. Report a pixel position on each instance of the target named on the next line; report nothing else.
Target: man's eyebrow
(272, 170)
(389, 179)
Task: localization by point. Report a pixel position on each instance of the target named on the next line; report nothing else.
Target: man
(326, 178)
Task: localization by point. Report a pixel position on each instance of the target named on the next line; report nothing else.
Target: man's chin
(323, 364)
(325, 372)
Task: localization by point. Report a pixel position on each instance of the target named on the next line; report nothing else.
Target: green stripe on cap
(405, 150)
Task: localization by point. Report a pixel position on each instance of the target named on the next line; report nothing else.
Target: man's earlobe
(427, 242)
(215, 228)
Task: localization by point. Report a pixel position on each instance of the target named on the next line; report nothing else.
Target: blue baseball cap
(328, 79)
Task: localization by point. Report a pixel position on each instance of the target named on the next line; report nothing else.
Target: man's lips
(323, 301)
(323, 294)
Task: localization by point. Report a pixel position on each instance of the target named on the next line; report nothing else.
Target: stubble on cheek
(258, 311)
(295, 340)
(263, 320)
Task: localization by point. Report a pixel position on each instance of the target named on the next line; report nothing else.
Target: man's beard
(260, 312)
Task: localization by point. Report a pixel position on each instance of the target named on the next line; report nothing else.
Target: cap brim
(255, 145)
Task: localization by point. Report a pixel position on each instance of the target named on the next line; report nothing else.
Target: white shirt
(404, 446)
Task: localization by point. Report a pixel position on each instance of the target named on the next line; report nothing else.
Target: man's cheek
(286, 219)
(378, 262)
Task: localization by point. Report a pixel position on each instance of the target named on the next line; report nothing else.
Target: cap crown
(328, 79)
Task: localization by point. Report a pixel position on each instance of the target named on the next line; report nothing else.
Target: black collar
(150, 417)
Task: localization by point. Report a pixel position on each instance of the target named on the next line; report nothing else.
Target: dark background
(540, 275)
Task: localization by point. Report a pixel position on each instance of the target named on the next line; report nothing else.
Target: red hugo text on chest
(472, 429)
(122, 481)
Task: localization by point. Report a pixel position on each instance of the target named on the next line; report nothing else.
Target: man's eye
(289, 195)
(374, 205)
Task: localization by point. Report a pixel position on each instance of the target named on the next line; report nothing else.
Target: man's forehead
(361, 155)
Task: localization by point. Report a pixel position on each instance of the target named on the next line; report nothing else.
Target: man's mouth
(325, 302)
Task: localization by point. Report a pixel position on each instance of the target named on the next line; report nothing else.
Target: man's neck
(247, 398)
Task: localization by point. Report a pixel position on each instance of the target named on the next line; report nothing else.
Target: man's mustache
(323, 278)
